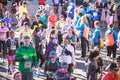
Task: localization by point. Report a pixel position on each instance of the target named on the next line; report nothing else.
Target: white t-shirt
(66, 58)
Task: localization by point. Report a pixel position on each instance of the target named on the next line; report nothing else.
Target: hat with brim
(26, 37)
(52, 54)
(64, 65)
(113, 65)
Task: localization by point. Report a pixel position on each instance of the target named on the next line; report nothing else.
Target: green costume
(26, 65)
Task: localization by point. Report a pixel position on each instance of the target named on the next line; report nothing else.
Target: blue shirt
(81, 28)
(94, 14)
(71, 11)
(96, 36)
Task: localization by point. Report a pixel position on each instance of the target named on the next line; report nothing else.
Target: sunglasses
(65, 41)
(116, 70)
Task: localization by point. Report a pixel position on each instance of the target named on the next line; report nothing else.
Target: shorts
(11, 58)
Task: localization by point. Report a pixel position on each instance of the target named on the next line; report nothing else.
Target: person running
(8, 19)
(26, 56)
(111, 41)
(73, 37)
(68, 24)
(26, 31)
(22, 9)
(65, 53)
(59, 26)
(97, 34)
(70, 9)
(38, 42)
(112, 73)
(51, 44)
(56, 5)
(36, 23)
(43, 19)
(51, 66)
(52, 19)
(111, 12)
(11, 45)
(23, 19)
(93, 66)
(84, 32)
(63, 73)
(3, 37)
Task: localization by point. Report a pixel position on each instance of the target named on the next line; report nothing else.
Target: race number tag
(13, 47)
(95, 14)
(27, 64)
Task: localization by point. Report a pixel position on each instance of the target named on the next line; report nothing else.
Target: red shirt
(41, 1)
(52, 20)
(108, 76)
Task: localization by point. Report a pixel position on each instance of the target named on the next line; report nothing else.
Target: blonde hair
(76, 11)
(96, 23)
(84, 19)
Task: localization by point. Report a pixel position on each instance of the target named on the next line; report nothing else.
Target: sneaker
(3, 61)
(41, 74)
(35, 74)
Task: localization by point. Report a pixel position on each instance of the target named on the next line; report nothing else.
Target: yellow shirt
(60, 24)
(26, 33)
(21, 10)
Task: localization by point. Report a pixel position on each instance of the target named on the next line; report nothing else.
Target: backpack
(86, 32)
(109, 39)
(57, 64)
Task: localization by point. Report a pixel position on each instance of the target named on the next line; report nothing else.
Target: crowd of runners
(50, 41)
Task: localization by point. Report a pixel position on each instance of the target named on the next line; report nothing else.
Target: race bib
(13, 48)
(27, 64)
(2, 36)
(95, 14)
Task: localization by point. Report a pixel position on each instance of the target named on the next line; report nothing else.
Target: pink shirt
(3, 33)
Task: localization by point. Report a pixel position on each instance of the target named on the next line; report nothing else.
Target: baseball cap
(26, 37)
(53, 54)
(14, 73)
(64, 65)
(113, 65)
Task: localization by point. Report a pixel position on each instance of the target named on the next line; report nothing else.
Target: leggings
(40, 56)
(111, 50)
(27, 75)
(2, 48)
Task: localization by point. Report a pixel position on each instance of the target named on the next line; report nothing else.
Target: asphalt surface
(79, 72)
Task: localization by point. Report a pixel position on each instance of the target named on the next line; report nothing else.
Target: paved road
(79, 72)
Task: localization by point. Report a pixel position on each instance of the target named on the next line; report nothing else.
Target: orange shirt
(108, 76)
